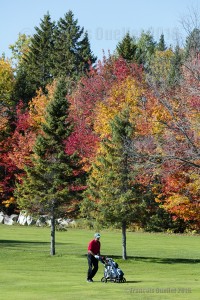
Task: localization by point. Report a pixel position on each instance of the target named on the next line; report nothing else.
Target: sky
(107, 21)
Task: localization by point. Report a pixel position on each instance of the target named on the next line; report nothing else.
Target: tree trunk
(53, 252)
(124, 254)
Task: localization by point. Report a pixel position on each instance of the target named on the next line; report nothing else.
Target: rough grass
(160, 266)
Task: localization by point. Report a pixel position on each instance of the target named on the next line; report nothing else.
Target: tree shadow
(127, 281)
(20, 242)
(161, 260)
(133, 281)
(16, 243)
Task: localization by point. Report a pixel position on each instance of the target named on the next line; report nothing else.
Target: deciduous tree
(6, 84)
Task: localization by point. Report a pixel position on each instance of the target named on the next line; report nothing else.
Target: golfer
(93, 256)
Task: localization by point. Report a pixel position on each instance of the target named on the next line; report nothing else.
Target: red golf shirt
(94, 246)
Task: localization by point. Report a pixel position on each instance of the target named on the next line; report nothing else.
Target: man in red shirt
(93, 256)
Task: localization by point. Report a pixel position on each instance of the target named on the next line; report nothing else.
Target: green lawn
(160, 266)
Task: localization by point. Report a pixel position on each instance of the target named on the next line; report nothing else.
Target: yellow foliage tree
(160, 66)
(125, 94)
(38, 105)
(6, 83)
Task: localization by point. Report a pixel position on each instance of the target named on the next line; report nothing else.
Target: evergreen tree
(127, 48)
(35, 69)
(85, 57)
(175, 73)
(51, 185)
(145, 49)
(55, 50)
(72, 49)
(161, 44)
(111, 197)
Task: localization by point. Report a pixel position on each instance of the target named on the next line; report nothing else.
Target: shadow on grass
(128, 281)
(161, 260)
(158, 260)
(112, 282)
(20, 242)
(15, 243)
(133, 281)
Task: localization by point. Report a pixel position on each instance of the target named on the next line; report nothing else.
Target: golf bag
(112, 272)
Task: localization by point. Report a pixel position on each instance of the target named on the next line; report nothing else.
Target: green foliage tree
(127, 48)
(51, 185)
(145, 49)
(111, 197)
(72, 52)
(20, 48)
(35, 69)
(21, 87)
(161, 46)
(85, 55)
(175, 74)
(55, 50)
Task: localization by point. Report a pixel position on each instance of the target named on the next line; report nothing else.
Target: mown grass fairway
(160, 266)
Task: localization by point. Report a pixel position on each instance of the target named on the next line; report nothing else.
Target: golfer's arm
(90, 252)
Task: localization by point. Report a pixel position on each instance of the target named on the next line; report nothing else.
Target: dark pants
(93, 266)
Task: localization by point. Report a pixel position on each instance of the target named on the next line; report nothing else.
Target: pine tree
(127, 48)
(84, 55)
(161, 44)
(51, 185)
(35, 69)
(72, 49)
(55, 50)
(175, 74)
(111, 197)
(145, 49)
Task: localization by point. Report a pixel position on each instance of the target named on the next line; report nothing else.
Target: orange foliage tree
(175, 127)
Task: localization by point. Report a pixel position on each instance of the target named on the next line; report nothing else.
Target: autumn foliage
(165, 140)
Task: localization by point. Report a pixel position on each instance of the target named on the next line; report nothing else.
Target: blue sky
(106, 21)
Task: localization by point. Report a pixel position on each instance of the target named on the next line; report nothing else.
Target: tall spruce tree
(35, 69)
(51, 185)
(111, 197)
(145, 49)
(85, 57)
(127, 48)
(55, 50)
(175, 74)
(72, 49)
(161, 44)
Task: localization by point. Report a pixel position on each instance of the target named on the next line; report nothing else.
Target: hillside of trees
(115, 141)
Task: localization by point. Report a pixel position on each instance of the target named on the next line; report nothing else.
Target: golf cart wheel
(124, 279)
(103, 279)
